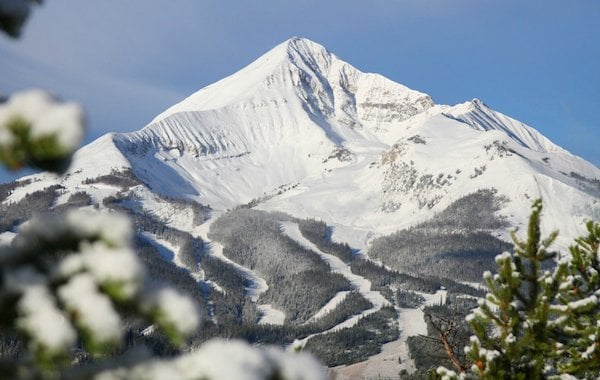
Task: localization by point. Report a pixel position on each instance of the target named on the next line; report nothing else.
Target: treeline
(398, 288)
(6, 189)
(302, 294)
(382, 277)
(454, 244)
(123, 179)
(126, 179)
(231, 307)
(353, 304)
(76, 200)
(408, 300)
(161, 270)
(284, 335)
(436, 253)
(473, 212)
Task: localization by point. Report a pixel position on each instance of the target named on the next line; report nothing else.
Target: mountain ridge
(302, 131)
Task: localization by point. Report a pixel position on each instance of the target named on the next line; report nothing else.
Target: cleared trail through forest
(394, 356)
(361, 284)
(258, 285)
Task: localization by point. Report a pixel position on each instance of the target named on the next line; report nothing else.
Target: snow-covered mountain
(302, 132)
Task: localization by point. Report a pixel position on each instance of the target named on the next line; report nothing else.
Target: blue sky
(126, 61)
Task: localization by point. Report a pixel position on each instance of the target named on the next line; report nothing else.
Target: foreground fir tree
(538, 323)
(578, 303)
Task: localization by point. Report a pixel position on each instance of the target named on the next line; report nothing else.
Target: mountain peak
(295, 51)
(477, 103)
(300, 44)
(323, 83)
(479, 116)
(469, 106)
(304, 52)
(306, 48)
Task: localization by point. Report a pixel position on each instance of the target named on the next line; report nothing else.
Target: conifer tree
(578, 301)
(536, 323)
(517, 309)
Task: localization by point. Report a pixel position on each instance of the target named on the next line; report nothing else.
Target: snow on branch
(37, 129)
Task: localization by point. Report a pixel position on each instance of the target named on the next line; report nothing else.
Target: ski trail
(257, 284)
(270, 315)
(412, 322)
(361, 284)
(168, 251)
(329, 306)
(395, 355)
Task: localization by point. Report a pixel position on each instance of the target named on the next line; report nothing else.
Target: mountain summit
(323, 82)
(301, 131)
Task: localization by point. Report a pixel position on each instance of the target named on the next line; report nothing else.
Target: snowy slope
(288, 116)
(437, 161)
(301, 131)
(313, 136)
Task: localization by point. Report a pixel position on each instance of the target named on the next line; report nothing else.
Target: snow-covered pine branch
(13, 14)
(38, 130)
(80, 268)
